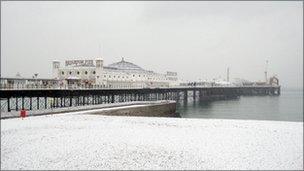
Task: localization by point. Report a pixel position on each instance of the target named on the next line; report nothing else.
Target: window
(114, 76)
(86, 72)
(94, 72)
(78, 73)
(133, 75)
(138, 75)
(62, 73)
(105, 76)
(70, 73)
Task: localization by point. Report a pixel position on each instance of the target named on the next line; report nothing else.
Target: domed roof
(123, 65)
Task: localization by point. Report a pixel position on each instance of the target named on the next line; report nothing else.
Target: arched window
(78, 73)
(94, 72)
(86, 72)
(62, 73)
(70, 73)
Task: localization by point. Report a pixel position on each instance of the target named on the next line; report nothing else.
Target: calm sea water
(286, 107)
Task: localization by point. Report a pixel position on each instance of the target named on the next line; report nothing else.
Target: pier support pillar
(185, 96)
(200, 96)
(38, 103)
(8, 105)
(113, 98)
(71, 101)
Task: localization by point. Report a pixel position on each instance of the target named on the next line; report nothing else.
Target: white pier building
(120, 74)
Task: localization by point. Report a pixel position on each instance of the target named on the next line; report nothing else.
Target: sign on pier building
(77, 63)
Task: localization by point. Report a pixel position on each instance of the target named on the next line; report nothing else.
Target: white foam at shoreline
(83, 141)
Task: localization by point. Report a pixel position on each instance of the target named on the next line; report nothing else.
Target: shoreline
(87, 108)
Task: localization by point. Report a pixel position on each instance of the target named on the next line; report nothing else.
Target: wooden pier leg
(60, 101)
(38, 103)
(30, 103)
(8, 105)
(113, 98)
(45, 102)
(22, 103)
(200, 95)
(71, 101)
(185, 96)
(16, 103)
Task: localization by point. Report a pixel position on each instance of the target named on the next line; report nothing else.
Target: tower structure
(99, 68)
(265, 72)
(228, 74)
(55, 69)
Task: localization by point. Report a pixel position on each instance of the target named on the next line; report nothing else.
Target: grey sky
(199, 40)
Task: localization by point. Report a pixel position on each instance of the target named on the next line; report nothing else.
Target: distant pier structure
(89, 82)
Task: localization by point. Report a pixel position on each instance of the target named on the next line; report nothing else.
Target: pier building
(119, 74)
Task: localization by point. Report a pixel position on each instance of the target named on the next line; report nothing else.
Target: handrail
(87, 87)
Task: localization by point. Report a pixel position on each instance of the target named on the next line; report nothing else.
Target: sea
(286, 107)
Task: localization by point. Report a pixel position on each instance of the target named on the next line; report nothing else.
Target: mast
(228, 74)
(265, 72)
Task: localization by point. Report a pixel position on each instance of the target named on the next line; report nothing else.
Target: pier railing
(86, 87)
(66, 87)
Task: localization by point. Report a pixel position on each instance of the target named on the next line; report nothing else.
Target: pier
(39, 99)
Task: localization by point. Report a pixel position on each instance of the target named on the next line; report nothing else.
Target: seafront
(151, 85)
(83, 141)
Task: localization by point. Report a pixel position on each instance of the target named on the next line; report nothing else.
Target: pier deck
(35, 99)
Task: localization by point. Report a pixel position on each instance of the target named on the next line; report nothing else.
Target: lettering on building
(76, 63)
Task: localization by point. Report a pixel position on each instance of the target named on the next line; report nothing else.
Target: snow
(83, 141)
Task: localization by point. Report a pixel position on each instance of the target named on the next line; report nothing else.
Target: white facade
(119, 74)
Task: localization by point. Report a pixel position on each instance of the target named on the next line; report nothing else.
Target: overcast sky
(199, 40)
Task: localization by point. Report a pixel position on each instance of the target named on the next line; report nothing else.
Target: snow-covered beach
(84, 141)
